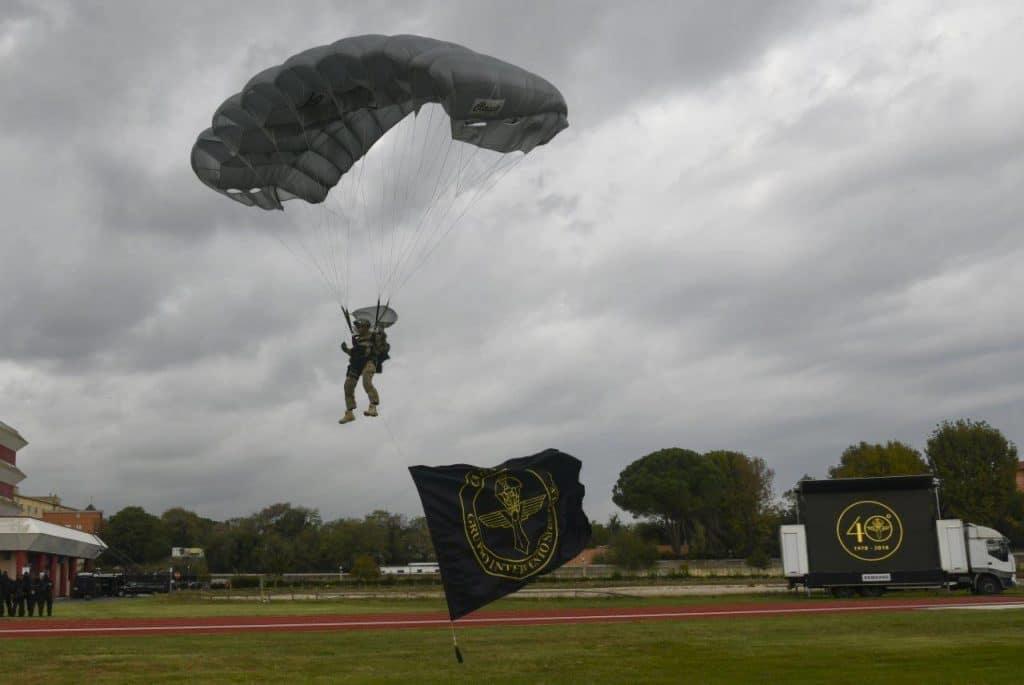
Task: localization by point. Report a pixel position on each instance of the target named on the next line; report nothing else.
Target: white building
(29, 544)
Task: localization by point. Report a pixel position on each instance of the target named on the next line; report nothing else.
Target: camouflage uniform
(366, 357)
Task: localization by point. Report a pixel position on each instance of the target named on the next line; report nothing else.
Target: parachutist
(346, 97)
(369, 350)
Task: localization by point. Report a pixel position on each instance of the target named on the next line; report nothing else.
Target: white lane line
(1007, 605)
(397, 623)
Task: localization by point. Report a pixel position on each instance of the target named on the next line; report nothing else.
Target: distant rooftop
(49, 499)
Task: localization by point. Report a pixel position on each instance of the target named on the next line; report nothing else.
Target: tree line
(278, 539)
(717, 504)
(721, 503)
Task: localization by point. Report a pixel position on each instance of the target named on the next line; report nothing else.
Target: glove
(344, 346)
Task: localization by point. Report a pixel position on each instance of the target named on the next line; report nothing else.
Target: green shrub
(759, 559)
(364, 567)
(632, 552)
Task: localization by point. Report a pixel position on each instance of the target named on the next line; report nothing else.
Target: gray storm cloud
(780, 228)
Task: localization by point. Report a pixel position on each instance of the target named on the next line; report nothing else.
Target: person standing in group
(45, 595)
(20, 593)
(30, 593)
(3, 592)
(9, 584)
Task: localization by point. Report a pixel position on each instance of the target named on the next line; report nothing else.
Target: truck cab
(976, 557)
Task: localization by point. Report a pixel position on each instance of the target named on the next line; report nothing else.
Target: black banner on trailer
(871, 530)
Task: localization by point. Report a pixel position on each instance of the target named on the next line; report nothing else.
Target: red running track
(55, 627)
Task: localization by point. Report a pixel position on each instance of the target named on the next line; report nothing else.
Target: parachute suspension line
(426, 138)
(323, 259)
(327, 267)
(396, 256)
(320, 257)
(426, 237)
(348, 252)
(368, 224)
(361, 212)
(330, 251)
(385, 170)
(377, 242)
(394, 440)
(394, 178)
(438, 232)
(411, 198)
(456, 179)
(330, 221)
(423, 224)
(429, 134)
(460, 185)
(401, 188)
(389, 250)
(428, 197)
(340, 211)
(325, 282)
(487, 185)
(352, 208)
(340, 253)
(443, 183)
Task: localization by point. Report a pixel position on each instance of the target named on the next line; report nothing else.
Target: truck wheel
(988, 585)
(842, 592)
(871, 591)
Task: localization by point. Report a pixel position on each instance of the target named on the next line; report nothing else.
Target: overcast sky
(774, 227)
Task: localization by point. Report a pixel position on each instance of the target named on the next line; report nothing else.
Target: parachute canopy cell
(295, 129)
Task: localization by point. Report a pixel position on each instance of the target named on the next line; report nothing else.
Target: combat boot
(371, 411)
(349, 416)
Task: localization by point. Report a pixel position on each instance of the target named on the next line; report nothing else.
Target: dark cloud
(781, 228)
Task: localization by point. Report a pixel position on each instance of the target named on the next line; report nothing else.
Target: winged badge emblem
(514, 510)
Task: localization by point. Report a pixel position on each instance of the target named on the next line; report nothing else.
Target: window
(998, 549)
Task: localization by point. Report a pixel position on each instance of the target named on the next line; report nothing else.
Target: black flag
(496, 529)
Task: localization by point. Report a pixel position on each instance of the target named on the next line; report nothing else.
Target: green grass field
(950, 646)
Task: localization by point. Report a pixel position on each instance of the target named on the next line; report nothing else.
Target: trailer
(869, 535)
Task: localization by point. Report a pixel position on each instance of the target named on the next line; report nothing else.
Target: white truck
(867, 535)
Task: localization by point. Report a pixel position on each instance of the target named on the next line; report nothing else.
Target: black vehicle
(147, 584)
(91, 584)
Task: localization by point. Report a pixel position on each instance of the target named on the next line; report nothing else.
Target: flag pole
(455, 643)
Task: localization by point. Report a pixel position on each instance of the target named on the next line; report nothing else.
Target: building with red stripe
(32, 544)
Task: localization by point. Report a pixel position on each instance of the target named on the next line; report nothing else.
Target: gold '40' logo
(869, 530)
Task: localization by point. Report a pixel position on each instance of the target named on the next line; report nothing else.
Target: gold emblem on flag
(510, 520)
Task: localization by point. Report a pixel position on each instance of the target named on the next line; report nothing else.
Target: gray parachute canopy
(295, 129)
